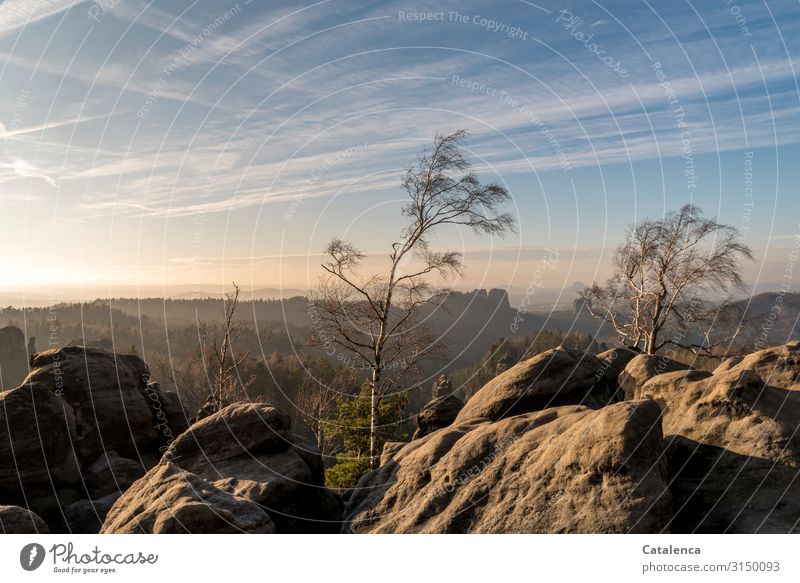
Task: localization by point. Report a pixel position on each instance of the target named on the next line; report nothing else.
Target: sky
(154, 147)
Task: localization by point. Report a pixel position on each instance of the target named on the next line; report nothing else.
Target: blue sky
(180, 143)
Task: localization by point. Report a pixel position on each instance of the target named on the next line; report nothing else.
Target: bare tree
(660, 276)
(374, 319)
(220, 362)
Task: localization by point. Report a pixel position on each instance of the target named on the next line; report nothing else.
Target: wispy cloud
(15, 14)
(23, 169)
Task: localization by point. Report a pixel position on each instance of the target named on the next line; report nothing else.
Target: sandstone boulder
(564, 469)
(87, 516)
(13, 357)
(732, 409)
(169, 501)
(108, 395)
(439, 413)
(111, 474)
(734, 448)
(16, 520)
(718, 491)
(642, 368)
(37, 465)
(559, 376)
(246, 452)
(618, 358)
(778, 366)
(389, 449)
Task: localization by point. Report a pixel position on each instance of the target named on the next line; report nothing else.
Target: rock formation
(38, 468)
(559, 376)
(734, 445)
(563, 469)
(60, 432)
(642, 368)
(239, 470)
(547, 446)
(115, 406)
(618, 358)
(14, 356)
(16, 520)
(440, 412)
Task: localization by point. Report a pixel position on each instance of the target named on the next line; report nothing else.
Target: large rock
(168, 501)
(564, 469)
(13, 357)
(110, 397)
(778, 366)
(247, 452)
(618, 358)
(732, 409)
(87, 516)
(440, 412)
(718, 491)
(112, 474)
(37, 465)
(644, 367)
(735, 446)
(559, 376)
(16, 520)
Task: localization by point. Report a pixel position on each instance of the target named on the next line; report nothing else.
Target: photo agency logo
(68, 559)
(31, 556)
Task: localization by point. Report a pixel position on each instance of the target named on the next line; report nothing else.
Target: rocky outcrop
(60, 432)
(734, 447)
(718, 491)
(559, 376)
(778, 366)
(225, 467)
(563, 469)
(16, 520)
(87, 516)
(112, 474)
(171, 501)
(38, 468)
(617, 358)
(644, 367)
(732, 409)
(440, 412)
(14, 354)
(114, 404)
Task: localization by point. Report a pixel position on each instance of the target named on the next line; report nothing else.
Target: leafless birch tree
(662, 273)
(375, 318)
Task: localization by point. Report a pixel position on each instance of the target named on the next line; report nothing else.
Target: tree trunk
(373, 420)
(651, 343)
